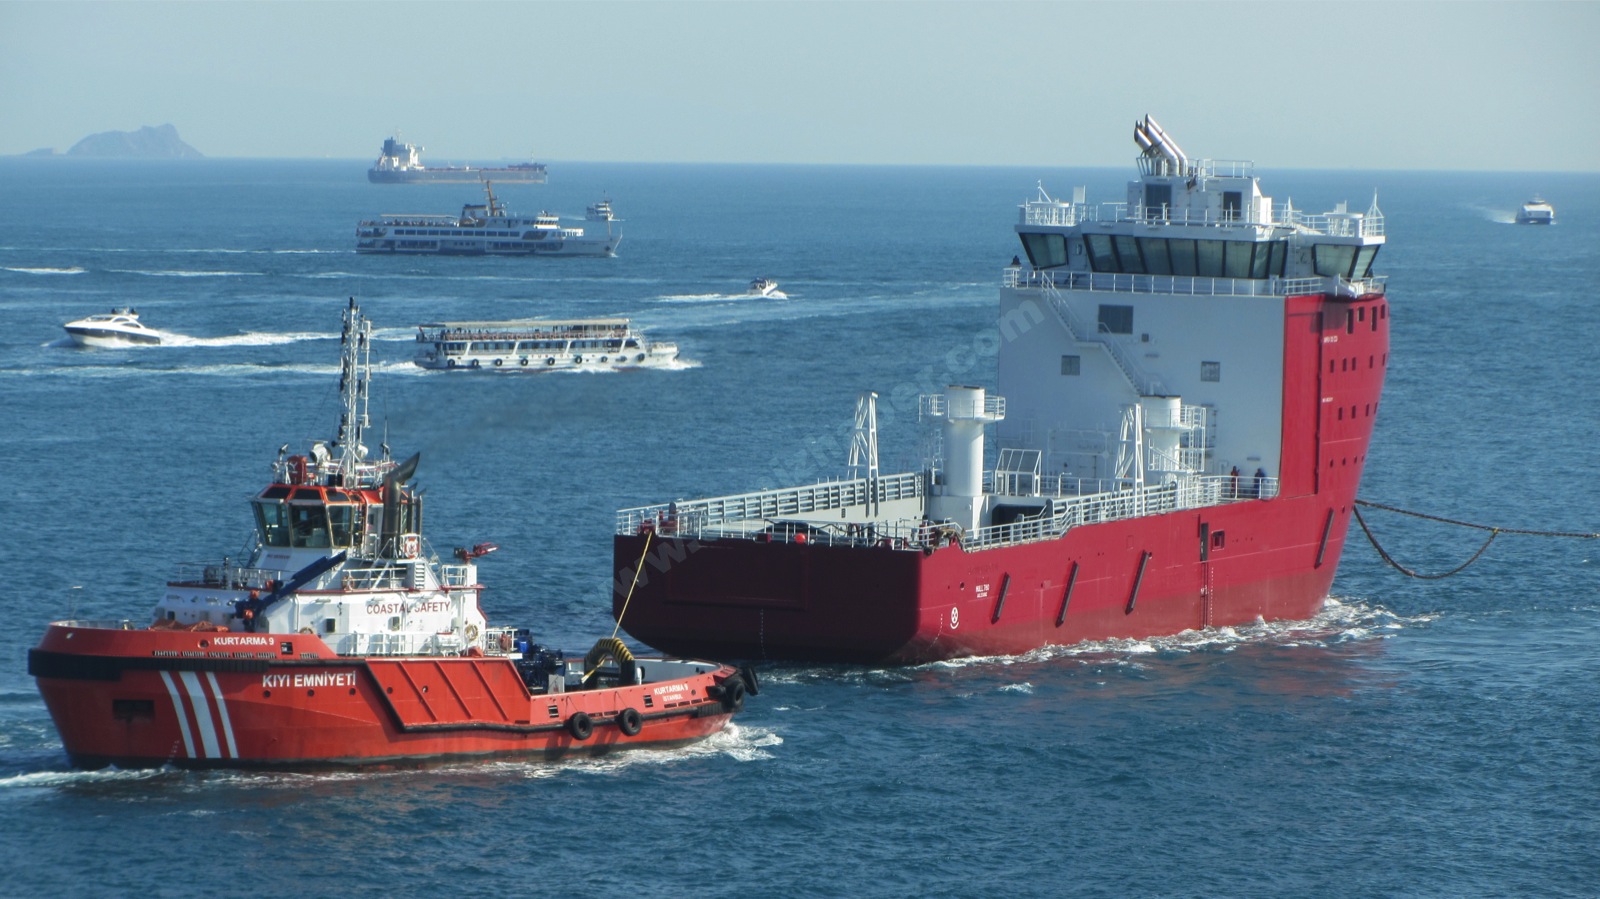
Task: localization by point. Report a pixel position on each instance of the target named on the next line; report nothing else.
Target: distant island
(161, 142)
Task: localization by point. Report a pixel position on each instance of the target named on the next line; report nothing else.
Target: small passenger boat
(595, 344)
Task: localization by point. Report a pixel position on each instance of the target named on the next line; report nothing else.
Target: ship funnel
(1155, 142)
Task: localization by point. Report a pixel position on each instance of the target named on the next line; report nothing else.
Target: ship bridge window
(1182, 254)
(1332, 259)
(1236, 258)
(1045, 250)
(1184, 257)
(1101, 256)
(1363, 268)
(1128, 256)
(1157, 260)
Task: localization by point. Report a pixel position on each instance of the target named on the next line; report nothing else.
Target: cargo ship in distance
(401, 163)
(342, 639)
(1186, 388)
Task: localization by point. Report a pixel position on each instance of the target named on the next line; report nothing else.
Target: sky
(1326, 85)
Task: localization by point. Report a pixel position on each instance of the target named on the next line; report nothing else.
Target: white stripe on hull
(182, 713)
(222, 712)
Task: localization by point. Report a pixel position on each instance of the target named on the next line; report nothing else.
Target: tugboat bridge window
(306, 520)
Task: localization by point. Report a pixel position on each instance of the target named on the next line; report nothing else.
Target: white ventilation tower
(965, 410)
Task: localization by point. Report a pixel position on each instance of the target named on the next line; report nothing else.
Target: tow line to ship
(1493, 533)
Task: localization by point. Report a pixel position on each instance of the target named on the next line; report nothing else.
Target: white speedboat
(765, 287)
(119, 327)
(1536, 212)
(594, 344)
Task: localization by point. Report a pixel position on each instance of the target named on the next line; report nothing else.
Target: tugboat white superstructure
(341, 638)
(1187, 383)
(596, 344)
(485, 229)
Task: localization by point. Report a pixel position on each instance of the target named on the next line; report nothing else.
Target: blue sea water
(1419, 738)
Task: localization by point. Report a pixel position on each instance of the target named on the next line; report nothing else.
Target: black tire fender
(630, 722)
(581, 726)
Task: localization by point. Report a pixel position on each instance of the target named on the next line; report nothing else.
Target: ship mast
(355, 371)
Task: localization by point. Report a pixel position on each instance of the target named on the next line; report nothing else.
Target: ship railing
(1057, 213)
(1064, 513)
(1072, 503)
(1251, 216)
(399, 644)
(223, 576)
(103, 624)
(1333, 285)
(1022, 278)
(456, 575)
(691, 517)
(900, 533)
(1204, 168)
(1332, 224)
(935, 405)
(386, 577)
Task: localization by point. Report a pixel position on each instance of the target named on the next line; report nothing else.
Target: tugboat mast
(355, 373)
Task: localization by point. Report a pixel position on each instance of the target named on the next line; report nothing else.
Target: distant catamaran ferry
(539, 345)
(484, 229)
(401, 163)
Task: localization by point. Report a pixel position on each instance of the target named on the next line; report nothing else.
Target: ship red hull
(141, 698)
(1231, 564)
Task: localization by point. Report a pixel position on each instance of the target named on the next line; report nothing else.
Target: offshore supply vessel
(1186, 385)
(342, 639)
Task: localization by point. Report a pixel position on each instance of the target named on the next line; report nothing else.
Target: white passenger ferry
(1536, 212)
(485, 229)
(595, 344)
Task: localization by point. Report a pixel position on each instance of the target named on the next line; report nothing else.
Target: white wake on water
(719, 297)
(74, 270)
(252, 338)
(1340, 621)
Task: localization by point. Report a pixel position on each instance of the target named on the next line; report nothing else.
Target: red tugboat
(1187, 386)
(343, 640)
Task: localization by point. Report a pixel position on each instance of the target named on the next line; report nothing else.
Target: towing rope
(649, 535)
(1493, 533)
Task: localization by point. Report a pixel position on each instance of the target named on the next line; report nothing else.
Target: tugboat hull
(217, 699)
